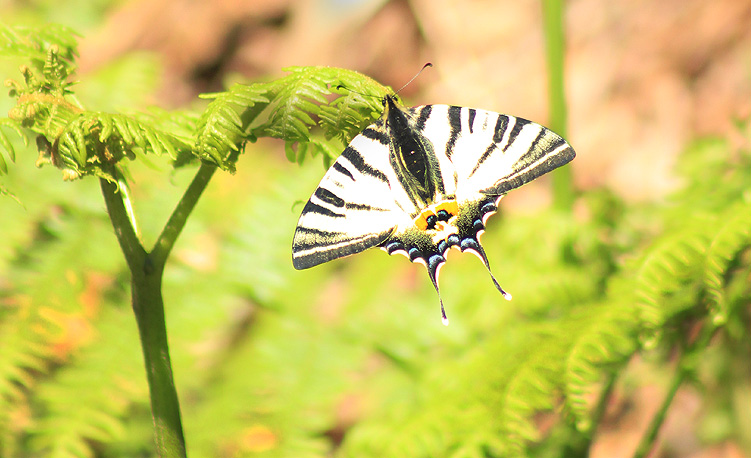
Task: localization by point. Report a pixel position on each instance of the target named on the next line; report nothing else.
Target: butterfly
(423, 180)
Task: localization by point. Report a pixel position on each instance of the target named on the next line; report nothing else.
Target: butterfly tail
(471, 244)
(434, 264)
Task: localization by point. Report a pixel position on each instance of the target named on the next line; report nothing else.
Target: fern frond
(93, 140)
(606, 335)
(290, 106)
(6, 146)
(667, 281)
(23, 358)
(354, 109)
(34, 43)
(74, 418)
(530, 389)
(296, 98)
(300, 96)
(221, 127)
(732, 237)
(298, 152)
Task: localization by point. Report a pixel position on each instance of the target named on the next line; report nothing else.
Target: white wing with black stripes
(352, 209)
(420, 181)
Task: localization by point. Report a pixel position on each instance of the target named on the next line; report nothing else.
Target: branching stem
(148, 306)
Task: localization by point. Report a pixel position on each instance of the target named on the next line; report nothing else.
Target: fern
(24, 354)
(84, 142)
(221, 127)
(667, 278)
(605, 338)
(34, 43)
(74, 417)
(93, 140)
(731, 239)
(286, 109)
(342, 118)
(6, 145)
(297, 96)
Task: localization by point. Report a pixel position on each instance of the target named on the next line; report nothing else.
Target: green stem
(563, 189)
(686, 365)
(581, 441)
(147, 270)
(126, 235)
(148, 307)
(602, 402)
(648, 439)
(174, 226)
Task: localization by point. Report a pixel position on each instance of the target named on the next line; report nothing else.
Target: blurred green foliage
(351, 358)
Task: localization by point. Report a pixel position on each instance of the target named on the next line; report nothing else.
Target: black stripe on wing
(518, 126)
(376, 134)
(547, 152)
(312, 207)
(343, 170)
(356, 159)
(455, 126)
(422, 118)
(329, 197)
(314, 246)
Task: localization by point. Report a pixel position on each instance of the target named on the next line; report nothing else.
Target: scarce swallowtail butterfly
(420, 181)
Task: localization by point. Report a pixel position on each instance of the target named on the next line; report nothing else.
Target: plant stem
(648, 439)
(174, 226)
(602, 403)
(552, 10)
(686, 365)
(148, 306)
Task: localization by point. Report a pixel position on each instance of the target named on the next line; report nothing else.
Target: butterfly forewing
(352, 209)
(492, 153)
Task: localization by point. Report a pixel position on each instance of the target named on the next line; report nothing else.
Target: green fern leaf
(5, 143)
(606, 335)
(343, 117)
(93, 140)
(733, 236)
(667, 279)
(221, 128)
(299, 96)
(24, 357)
(34, 43)
(530, 389)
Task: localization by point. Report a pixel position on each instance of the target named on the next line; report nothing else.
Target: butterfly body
(420, 181)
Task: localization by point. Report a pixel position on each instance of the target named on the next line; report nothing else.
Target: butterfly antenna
(414, 77)
(474, 246)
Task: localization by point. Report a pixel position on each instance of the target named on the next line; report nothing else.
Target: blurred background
(273, 362)
(642, 77)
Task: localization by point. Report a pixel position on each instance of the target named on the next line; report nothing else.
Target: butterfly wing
(420, 181)
(494, 153)
(481, 155)
(353, 208)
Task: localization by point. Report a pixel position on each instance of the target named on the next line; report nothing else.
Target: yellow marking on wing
(421, 220)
